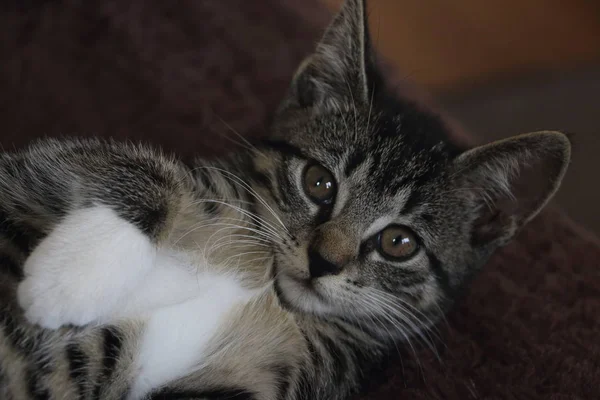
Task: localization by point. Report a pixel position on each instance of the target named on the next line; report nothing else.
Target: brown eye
(397, 242)
(319, 184)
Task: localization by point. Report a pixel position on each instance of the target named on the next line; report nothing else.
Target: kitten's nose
(330, 250)
(319, 266)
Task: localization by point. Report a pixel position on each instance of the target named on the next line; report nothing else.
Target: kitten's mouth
(295, 293)
(309, 286)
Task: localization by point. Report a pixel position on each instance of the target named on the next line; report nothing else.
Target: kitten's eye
(319, 184)
(397, 242)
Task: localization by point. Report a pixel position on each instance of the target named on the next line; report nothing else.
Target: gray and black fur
(303, 339)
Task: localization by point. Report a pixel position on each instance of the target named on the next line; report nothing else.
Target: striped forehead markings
(354, 160)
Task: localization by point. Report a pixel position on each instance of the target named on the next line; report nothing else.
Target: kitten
(283, 272)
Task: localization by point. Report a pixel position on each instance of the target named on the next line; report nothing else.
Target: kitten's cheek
(332, 286)
(293, 263)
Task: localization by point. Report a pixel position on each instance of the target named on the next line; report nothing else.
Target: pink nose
(331, 249)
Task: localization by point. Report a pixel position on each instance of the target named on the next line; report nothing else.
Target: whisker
(245, 221)
(208, 241)
(249, 145)
(261, 222)
(393, 299)
(262, 235)
(250, 215)
(392, 302)
(398, 325)
(242, 255)
(250, 190)
(242, 238)
(409, 319)
(236, 244)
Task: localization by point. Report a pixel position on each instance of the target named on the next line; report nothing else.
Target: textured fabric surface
(183, 74)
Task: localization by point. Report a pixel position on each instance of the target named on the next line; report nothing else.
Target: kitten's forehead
(380, 162)
(381, 154)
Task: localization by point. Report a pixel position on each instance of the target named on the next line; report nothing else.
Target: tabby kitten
(285, 271)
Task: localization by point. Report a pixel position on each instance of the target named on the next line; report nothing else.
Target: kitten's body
(188, 313)
(266, 275)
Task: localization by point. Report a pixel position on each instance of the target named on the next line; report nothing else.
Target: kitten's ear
(508, 182)
(336, 73)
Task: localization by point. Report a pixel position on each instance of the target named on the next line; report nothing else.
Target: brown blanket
(171, 72)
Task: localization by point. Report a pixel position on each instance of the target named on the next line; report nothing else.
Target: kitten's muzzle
(330, 250)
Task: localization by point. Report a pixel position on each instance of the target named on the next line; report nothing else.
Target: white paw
(82, 270)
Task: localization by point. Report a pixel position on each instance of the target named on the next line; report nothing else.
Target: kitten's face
(385, 219)
(363, 197)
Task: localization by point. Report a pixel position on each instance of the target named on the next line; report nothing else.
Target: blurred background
(504, 67)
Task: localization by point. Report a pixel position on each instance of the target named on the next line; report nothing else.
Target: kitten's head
(386, 218)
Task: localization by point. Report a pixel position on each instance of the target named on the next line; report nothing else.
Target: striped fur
(298, 337)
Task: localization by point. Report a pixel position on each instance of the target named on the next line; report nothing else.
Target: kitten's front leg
(83, 270)
(106, 208)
